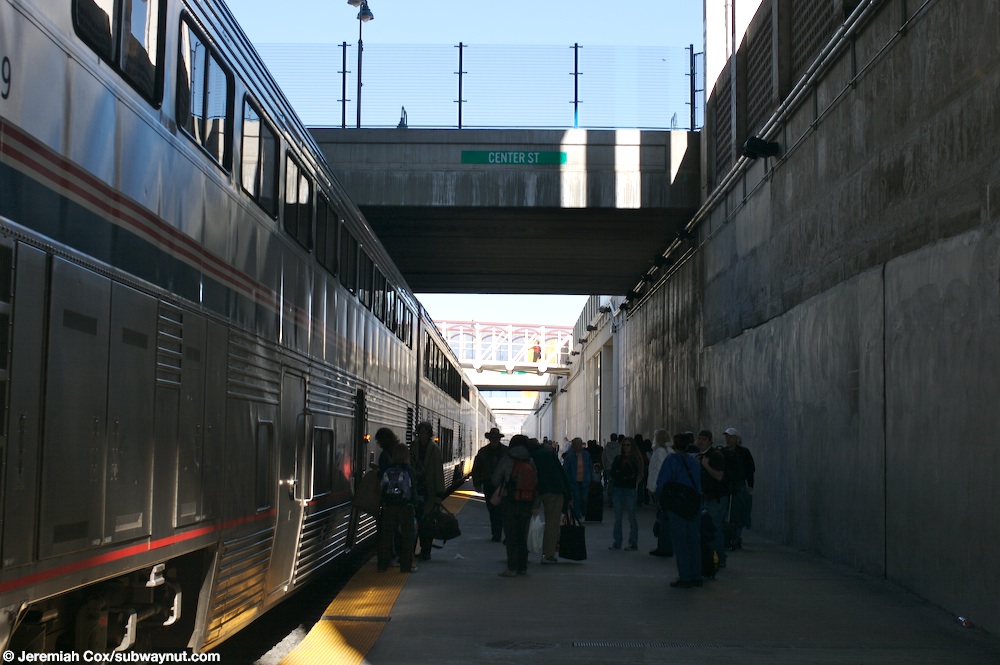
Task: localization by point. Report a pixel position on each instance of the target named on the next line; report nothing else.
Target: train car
(198, 332)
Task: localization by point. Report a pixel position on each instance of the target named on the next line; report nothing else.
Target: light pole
(364, 15)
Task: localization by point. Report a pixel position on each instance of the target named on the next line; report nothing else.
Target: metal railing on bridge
(493, 86)
(510, 347)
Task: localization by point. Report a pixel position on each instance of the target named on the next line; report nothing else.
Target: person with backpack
(397, 511)
(626, 475)
(517, 478)
(682, 468)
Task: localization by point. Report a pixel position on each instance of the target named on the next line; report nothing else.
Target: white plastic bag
(536, 533)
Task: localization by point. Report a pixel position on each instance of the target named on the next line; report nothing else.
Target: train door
(23, 389)
(293, 430)
(132, 364)
(76, 403)
(360, 453)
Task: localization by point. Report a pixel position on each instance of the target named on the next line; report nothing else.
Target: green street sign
(513, 157)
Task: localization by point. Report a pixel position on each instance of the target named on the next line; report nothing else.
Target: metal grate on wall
(813, 23)
(761, 100)
(724, 156)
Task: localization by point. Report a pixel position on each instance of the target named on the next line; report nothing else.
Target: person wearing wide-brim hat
(482, 474)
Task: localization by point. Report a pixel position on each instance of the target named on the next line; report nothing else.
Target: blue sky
(549, 22)
(507, 22)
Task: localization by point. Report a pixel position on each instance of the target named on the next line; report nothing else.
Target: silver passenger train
(198, 332)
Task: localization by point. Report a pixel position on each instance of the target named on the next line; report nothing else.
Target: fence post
(343, 88)
(576, 85)
(460, 71)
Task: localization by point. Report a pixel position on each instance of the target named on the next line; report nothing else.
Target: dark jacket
(485, 464)
(551, 479)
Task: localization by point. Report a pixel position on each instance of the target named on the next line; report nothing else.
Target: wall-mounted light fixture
(582, 340)
(562, 390)
(684, 234)
(604, 309)
(591, 327)
(755, 147)
(574, 353)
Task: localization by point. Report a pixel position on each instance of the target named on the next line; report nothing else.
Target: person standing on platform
(553, 495)
(661, 448)
(387, 441)
(397, 511)
(742, 488)
(518, 476)
(425, 458)
(685, 534)
(579, 472)
(610, 453)
(626, 475)
(482, 477)
(713, 485)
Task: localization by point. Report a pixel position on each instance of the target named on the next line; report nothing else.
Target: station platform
(770, 605)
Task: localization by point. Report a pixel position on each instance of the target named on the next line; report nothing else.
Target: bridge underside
(523, 250)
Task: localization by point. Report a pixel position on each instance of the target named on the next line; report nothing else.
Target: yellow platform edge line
(368, 595)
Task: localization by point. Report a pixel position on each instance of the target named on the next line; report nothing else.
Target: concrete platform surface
(770, 605)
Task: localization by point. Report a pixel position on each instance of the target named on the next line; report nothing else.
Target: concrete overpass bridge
(520, 211)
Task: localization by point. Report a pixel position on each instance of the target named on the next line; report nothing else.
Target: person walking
(482, 477)
(397, 511)
(579, 472)
(428, 471)
(713, 467)
(741, 488)
(553, 495)
(661, 448)
(518, 477)
(626, 476)
(610, 452)
(685, 533)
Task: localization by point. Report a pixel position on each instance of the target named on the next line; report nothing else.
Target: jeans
(686, 538)
(625, 499)
(717, 509)
(580, 493)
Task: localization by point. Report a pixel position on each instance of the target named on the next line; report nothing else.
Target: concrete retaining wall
(843, 311)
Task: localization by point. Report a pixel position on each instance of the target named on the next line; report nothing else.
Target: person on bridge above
(626, 474)
(661, 448)
(429, 481)
(741, 486)
(579, 472)
(553, 496)
(517, 475)
(482, 477)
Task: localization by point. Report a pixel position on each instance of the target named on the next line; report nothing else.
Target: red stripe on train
(125, 552)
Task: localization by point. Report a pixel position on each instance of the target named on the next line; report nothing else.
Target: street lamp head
(354, 3)
(365, 14)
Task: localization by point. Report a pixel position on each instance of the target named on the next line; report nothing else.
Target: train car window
(323, 462)
(391, 318)
(204, 96)
(378, 296)
(298, 203)
(264, 466)
(408, 326)
(365, 268)
(128, 35)
(348, 259)
(326, 235)
(259, 159)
